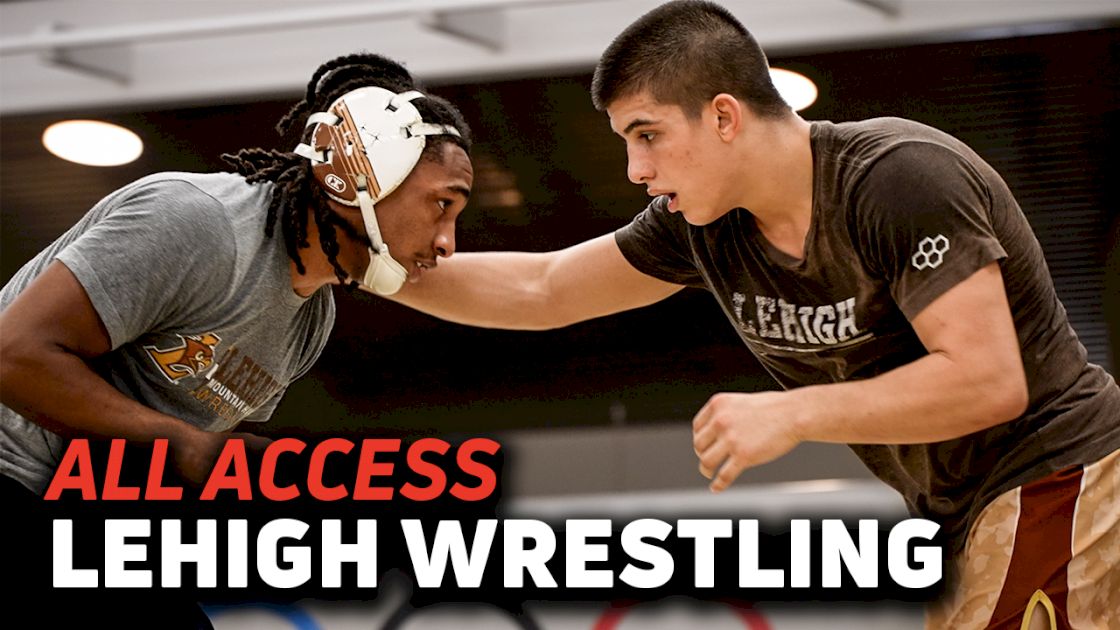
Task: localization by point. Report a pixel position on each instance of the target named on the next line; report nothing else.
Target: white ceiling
(75, 54)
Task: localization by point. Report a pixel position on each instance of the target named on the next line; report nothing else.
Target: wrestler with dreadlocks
(169, 285)
(174, 309)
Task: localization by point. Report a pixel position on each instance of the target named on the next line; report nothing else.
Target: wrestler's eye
(648, 136)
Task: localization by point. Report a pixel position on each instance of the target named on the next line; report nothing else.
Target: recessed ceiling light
(92, 142)
(797, 89)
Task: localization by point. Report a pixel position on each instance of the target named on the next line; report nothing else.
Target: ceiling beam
(109, 62)
(889, 8)
(485, 28)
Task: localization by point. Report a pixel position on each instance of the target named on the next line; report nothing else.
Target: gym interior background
(587, 408)
(599, 413)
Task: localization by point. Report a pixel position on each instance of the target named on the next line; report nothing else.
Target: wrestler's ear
(727, 114)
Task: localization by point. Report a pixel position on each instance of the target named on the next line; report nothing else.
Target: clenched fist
(733, 432)
(194, 452)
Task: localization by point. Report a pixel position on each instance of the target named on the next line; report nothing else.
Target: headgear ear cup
(362, 149)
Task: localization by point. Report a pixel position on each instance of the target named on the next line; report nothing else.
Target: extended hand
(734, 432)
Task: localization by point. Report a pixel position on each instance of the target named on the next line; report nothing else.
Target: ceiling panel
(174, 53)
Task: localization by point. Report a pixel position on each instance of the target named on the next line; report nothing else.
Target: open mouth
(418, 269)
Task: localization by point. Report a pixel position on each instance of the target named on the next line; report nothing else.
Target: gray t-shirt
(901, 214)
(197, 301)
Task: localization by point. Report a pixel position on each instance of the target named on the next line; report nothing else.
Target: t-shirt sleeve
(922, 218)
(161, 252)
(656, 243)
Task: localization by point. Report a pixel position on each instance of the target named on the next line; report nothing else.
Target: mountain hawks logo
(190, 358)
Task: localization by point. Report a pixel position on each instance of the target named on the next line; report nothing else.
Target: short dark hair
(685, 53)
(296, 188)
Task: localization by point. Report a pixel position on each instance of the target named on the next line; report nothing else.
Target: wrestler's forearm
(527, 291)
(930, 400)
(57, 390)
(492, 290)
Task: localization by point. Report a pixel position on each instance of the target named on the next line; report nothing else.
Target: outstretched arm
(535, 291)
(971, 379)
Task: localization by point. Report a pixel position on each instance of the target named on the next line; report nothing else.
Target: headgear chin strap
(361, 150)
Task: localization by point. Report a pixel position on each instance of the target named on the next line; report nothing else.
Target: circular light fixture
(92, 142)
(796, 89)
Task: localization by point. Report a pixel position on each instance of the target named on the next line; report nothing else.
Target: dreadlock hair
(296, 188)
(684, 53)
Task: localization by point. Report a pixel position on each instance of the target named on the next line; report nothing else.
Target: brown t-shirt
(901, 213)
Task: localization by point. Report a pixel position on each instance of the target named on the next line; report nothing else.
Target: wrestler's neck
(777, 182)
(318, 270)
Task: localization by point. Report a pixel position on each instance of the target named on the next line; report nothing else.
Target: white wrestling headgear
(362, 148)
